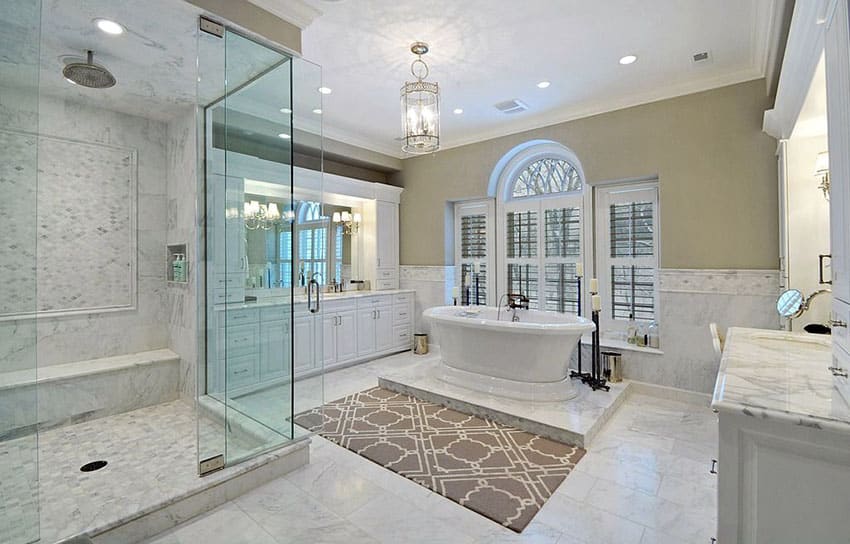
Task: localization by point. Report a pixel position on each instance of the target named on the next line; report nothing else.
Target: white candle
(455, 292)
(476, 267)
(594, 285)
(596, 301)
(579, 270)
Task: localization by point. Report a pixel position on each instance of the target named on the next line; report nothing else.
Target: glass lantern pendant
(420, 108)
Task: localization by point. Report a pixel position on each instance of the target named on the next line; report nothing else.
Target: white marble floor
(644, 480)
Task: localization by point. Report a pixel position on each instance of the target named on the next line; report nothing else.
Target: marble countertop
(781, 376)
(326, 298)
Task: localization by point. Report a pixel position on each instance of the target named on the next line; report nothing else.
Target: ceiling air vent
(511, 106)
(701, 57)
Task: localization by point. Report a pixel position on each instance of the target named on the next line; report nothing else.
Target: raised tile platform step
(150, 483)
(574, 421)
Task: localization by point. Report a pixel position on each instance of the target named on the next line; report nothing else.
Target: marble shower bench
(74, 392)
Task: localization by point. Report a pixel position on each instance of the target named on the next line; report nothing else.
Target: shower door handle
(313, 283)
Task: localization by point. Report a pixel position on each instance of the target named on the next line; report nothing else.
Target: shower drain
(94, 465)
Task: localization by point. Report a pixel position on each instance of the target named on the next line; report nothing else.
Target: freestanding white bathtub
(527, 360)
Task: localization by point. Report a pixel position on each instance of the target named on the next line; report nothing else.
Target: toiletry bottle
(654, 340)
(177, 267)
(631, 330)
(640, 338)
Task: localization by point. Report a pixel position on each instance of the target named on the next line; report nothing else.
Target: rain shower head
(88, 74)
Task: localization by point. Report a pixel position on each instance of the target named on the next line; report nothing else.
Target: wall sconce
(350, 223)
(260, 216)
(822, 172)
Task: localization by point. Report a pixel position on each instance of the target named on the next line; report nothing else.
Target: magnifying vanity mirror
(791, 304)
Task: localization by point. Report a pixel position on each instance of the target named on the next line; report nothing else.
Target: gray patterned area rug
(500, 472)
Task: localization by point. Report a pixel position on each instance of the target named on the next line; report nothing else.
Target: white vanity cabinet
(226, 245)
(254, 344)
(339, 331)
(374, 324)
(275, 343)
(305, 340)
(380, 244)
(783, 463)
(837, 58)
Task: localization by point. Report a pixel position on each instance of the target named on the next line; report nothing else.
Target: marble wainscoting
(184, 227)
(433, 286)
(689, 301)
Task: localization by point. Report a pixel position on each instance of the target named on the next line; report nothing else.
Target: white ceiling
(487, 51)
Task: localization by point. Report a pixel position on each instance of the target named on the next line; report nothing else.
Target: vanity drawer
(241, 371)
(274, 313)
(403, 298)
(386, 285)
(387, 273)
(241, 316)
(401, 314)
(401, 337)
(343, 305)
(368, 302)
(242, 340)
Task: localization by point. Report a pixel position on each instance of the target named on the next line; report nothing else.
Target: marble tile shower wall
(183, 227)
(689, 301)
(95, 335)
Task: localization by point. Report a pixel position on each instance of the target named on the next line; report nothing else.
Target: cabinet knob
(713, 469)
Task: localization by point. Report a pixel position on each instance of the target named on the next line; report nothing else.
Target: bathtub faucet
(515, 301)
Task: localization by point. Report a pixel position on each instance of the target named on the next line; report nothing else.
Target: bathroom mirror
(790, 303)
(321, 238)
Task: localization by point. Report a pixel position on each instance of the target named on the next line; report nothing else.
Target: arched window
(540, 225)
(546, 176)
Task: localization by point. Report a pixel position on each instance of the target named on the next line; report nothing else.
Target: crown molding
(802, 54)
(297, 12)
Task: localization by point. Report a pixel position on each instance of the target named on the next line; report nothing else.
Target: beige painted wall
(716, 168)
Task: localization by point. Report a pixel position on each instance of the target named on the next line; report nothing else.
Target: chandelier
(420, 107)
(260, 216)
(350, 223)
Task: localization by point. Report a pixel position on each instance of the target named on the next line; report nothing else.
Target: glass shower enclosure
(262, 314)
(20, 22)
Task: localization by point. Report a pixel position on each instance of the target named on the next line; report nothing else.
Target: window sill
(613, 343)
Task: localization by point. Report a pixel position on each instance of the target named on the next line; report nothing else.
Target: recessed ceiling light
(458, 111)
(543, 84)
(628, 59)
(325, 90)
(287, 111)
(110, 27)
(284, 135)
(318, 111)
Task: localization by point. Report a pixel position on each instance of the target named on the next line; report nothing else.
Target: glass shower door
(254, 325)
(20, 21)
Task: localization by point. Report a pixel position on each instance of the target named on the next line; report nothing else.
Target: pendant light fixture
(420, 108)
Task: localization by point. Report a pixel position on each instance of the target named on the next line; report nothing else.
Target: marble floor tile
(226, 523)
(644, 480)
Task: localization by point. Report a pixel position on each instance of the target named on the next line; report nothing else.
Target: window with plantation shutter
(474, 253)
(627, 231)
(543, 235)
